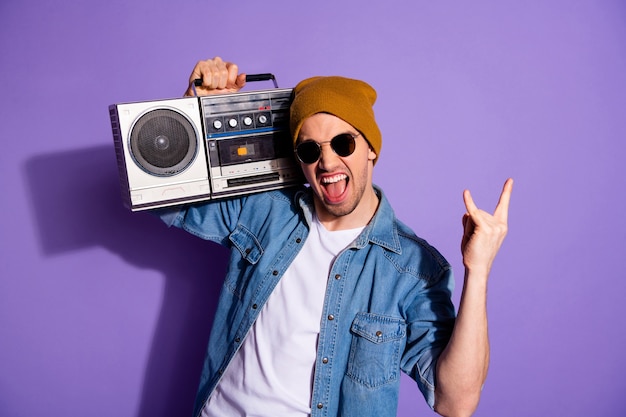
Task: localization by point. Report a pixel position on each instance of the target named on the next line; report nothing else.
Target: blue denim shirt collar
(381, 230)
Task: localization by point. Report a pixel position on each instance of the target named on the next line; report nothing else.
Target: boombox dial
(239, 122)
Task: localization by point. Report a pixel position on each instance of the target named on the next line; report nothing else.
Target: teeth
(334, 178)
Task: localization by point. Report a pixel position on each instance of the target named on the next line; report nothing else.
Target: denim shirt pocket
(376, 348)
(250, 250)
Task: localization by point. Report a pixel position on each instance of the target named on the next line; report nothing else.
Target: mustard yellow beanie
(350, 100)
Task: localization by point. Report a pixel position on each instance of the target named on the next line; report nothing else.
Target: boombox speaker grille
(163, 142)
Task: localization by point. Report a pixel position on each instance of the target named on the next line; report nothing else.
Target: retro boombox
(192, 149)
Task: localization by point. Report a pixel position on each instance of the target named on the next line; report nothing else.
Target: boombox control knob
(232, 123)
(247, 120)
(263, 119)
(217, 124)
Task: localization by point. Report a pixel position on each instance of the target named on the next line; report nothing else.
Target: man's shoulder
(391, 232)
(283, 202)
(280, 196)
(415, 248)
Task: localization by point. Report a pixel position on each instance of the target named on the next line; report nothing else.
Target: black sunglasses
(309, 151)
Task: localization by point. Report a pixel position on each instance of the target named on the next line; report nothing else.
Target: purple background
(106, 313)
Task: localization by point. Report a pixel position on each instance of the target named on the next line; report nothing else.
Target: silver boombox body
(192, 149)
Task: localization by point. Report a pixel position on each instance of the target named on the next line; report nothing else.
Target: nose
(328, 157)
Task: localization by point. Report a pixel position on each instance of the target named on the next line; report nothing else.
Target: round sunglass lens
(343, 145)
(308, 152)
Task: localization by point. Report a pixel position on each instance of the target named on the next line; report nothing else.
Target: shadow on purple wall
(77, 204)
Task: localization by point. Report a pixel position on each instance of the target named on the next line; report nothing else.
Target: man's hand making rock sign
(484, 233)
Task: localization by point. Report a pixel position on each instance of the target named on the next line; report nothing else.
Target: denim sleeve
(431, 317)
(212, 221)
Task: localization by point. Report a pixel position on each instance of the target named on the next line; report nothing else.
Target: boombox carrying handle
(249, 77)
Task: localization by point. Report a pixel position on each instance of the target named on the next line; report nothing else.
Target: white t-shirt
(272, 373)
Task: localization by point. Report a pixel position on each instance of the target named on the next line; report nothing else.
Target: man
(328, 296)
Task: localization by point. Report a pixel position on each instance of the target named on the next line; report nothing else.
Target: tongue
(336, 189)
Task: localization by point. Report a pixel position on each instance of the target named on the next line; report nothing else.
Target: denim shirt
(387, 306)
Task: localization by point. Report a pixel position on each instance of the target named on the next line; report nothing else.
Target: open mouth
(335, 187)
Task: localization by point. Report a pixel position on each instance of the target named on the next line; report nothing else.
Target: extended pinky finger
(470, 206)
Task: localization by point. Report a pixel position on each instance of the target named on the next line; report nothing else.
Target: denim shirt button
(255, 306)
(274, 272)
(320, 405)
(338, 276)
(379, 333)
(298, 240)
(331, 317)
(324, 360)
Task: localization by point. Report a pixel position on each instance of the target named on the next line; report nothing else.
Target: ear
(371, 155)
